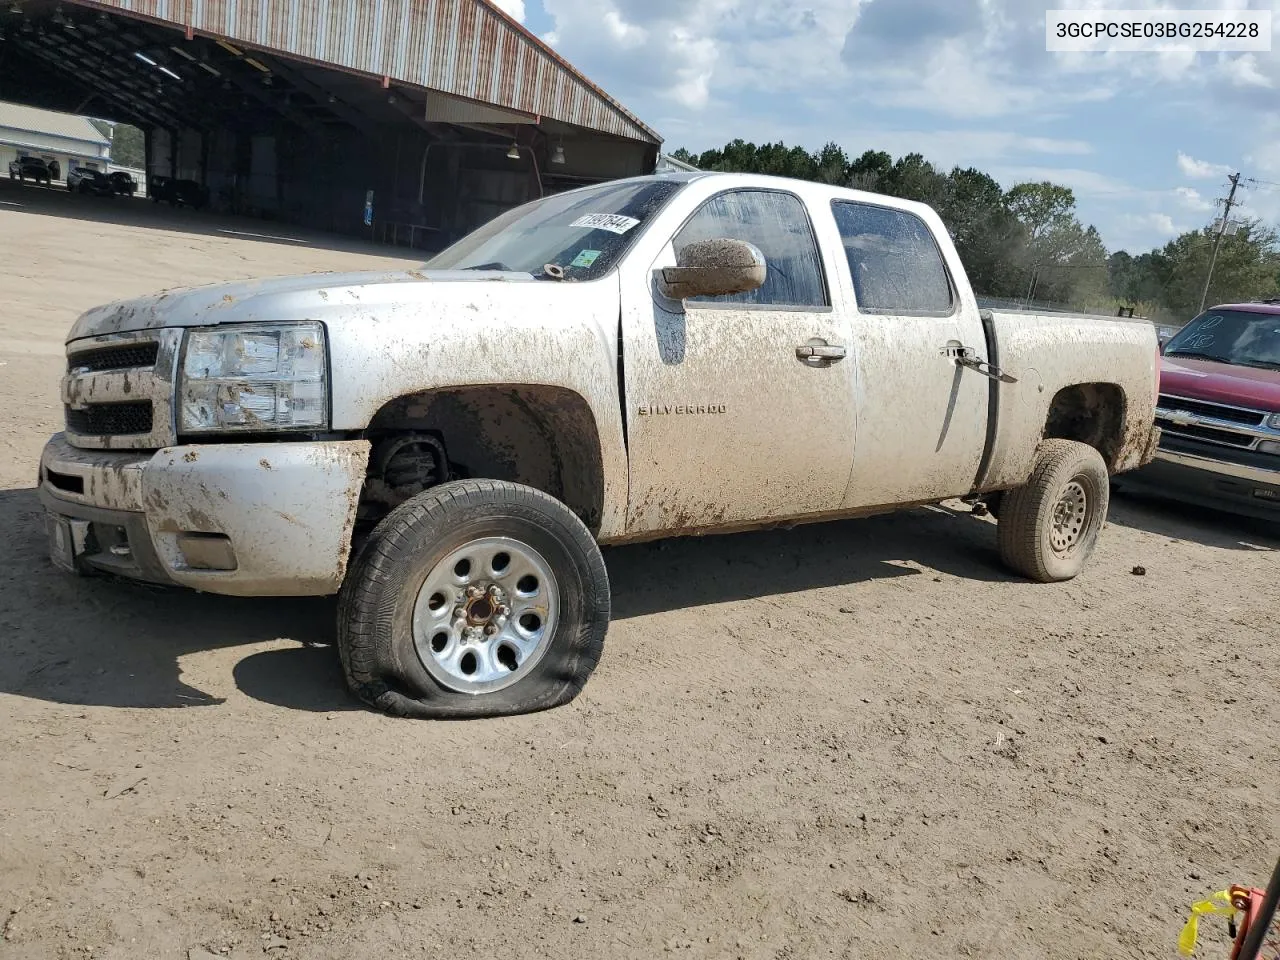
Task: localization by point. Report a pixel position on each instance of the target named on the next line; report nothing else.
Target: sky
(1145, 140)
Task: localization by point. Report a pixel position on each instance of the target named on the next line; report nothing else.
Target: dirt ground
(859, 739)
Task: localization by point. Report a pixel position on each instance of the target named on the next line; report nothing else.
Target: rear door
(730, 417)
(922, 418)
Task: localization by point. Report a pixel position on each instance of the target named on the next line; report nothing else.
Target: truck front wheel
(476, 598)
(1049, 527)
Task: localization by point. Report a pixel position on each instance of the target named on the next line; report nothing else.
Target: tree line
(1027, 243)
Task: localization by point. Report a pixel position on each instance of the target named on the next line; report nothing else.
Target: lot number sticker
(613, 222)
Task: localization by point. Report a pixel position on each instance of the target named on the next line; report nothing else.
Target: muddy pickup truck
(447, 447)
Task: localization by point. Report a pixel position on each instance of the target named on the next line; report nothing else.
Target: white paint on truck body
(726, 415)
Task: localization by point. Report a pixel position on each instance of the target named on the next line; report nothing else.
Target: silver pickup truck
(667, 355)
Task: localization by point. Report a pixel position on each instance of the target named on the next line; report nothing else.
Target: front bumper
(1196, 472)
(245, 519)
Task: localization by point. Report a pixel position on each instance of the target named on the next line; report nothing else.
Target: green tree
(986, 234)
(128, 143)
(1041, 207)
(1246, 269)
(870, 170)
(832, 164)
(915, 178)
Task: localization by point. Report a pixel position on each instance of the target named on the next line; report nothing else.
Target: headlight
(253, 378)
(1269, 446)
(1273, 421)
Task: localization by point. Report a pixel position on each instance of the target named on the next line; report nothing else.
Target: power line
(1217, 242)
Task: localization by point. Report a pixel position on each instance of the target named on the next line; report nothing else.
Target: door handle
(814, 352)
(968, 357)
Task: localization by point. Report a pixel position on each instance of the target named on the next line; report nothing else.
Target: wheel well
(1091, 413)
(544, 437)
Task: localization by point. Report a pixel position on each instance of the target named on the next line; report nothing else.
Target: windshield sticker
(613, 222)
(585, 258)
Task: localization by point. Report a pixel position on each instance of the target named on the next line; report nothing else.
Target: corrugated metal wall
(461, 47)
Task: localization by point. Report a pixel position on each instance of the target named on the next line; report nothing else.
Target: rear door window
(894, 261)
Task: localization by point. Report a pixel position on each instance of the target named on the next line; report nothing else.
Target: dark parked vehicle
(122, 183)
(178, 192)
(84, 180)
(30, 168)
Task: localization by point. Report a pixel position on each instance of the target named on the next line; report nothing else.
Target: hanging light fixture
(514, 152)
(557, 155)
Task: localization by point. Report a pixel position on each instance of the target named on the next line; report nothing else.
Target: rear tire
(415, 642)
(1049, 527)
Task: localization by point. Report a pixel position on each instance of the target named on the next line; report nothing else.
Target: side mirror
(713, 268)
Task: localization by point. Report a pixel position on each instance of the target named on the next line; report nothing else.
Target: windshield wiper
(495, 265)
(1260, 364)
(1194, 355)
(550, 271)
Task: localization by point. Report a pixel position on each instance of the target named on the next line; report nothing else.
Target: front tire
(477, 598)
(1049, 527)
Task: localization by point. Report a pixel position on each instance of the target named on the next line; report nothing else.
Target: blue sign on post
(368, 208)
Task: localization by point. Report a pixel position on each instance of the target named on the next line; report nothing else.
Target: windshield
(582, 231)
(1230, 336)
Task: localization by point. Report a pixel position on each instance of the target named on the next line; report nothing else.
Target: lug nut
(490, 629)
(474, 591)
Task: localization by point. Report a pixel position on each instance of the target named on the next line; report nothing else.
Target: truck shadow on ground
(1179, 521)
(100, 642)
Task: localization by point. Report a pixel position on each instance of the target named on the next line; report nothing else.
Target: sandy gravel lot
(859, 739)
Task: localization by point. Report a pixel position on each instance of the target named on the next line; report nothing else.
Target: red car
(1219, 412)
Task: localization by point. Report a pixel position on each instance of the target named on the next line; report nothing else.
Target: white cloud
(1190, 198)
(1161, 223)
(513, 8)
(654, 47)
(1138, 232)
(1243, 71)
(1082, 182)
(1200, 169)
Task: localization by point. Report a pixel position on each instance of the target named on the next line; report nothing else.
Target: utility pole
(1217, 243)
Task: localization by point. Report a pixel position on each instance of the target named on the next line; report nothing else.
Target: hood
(322, 296)
(1221, 383)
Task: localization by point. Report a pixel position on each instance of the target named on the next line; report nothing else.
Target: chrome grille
(111, 419)
(1215, 411)
(118, 391)
(123, 357)
(1225, 437)
(1220, 423)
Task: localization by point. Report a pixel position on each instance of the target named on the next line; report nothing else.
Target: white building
(669, 164)
(59, 137)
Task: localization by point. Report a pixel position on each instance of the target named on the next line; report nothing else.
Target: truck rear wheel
(1049, 527)
(476, 598)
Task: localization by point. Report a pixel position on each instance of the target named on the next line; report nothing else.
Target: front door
(741, 408)
(922, 418)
